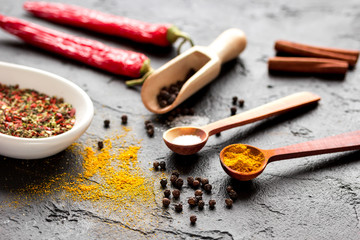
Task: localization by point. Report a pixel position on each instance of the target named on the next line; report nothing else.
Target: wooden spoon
(339, 143)
(206, 61)
(270, 109)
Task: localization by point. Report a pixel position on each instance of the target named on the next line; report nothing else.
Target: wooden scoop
(339, 143)
(206, 61)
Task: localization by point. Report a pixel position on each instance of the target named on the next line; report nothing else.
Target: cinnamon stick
(350, 56)
(307, 65)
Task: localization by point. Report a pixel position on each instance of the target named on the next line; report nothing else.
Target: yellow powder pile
(111, 179)
(240, 158)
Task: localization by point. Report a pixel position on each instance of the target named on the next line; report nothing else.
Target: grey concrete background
(306, 198)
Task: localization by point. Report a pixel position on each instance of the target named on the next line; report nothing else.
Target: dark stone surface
(307, 198)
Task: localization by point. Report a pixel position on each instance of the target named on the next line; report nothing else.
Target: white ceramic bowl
(52, 85)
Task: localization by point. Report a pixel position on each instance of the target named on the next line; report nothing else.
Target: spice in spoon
(167, 95)
(27, 113)
(240, 158)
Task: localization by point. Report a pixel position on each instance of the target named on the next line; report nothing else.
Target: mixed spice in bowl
(41, 113)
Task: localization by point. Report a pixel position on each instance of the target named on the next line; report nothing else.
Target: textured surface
(306, 198)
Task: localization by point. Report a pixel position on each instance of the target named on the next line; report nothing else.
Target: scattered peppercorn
(190, 181)
(196, 184)
(218, 134)
(179, 182)
(178, 207)
(162, 165)
(212, 203)
(192, 201)
(193, 219)
(198, 192)
(201, 204)
(166, 202)
(156, 165)
(173, 179)
(176, 173)
(149, 126)
(270, 86)
(204, 181)
(233, 110)
(233, 195)
(163, 182)
(234, 100)
(229, 188)
(106, 123)
(176, 193)
(167, 193)
(241, 102)
(150, 132)
(198, 178)
(198, 198)
(124, 119)
(229, 202)
(101, 145)
(207, 187)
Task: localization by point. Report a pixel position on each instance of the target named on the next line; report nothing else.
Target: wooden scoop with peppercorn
(184, 75)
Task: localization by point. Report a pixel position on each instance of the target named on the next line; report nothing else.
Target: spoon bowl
(52, 85)
(270, 109)
(173, 133)
(338, 143)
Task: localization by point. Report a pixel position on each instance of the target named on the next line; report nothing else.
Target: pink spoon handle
(270, 109)
(339, 143)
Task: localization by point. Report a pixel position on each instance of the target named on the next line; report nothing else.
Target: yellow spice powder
(240, 158)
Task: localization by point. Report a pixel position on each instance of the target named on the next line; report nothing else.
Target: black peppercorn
(198, 178)
(228, 202)
(201, 204)
(191, 111)
(218, 134)
(241, 102)
(208, 187)
(124, 119)
(166, 202)
(162, 165)
(233, 110)
(163, 182)
(167, 193)
(193, 219)
(179, 182)
(204, 181)
(198, 198)
(212, 203)
(101, 145)
(156, 164)
(150, 132)
(106, 123)
(234, 100)
(173, 179)
(147, 122)
(176, 193)
(149, 126)
(196, 184)
(229, 188)
(192, 201)
(233, 195)
(198, 192)
(178, 207)
(190, 180)
(176, 173)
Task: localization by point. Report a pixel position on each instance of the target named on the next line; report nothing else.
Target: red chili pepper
(158, 34)
(91, 52)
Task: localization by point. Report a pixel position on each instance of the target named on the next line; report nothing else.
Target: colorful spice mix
(29, 114)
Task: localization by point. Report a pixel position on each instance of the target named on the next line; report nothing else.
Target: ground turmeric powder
(240, 158)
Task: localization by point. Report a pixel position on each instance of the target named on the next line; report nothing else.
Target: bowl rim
(78, 126)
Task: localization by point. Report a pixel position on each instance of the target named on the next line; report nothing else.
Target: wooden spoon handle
(270, 109)
(339, 143)
(229, 44)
